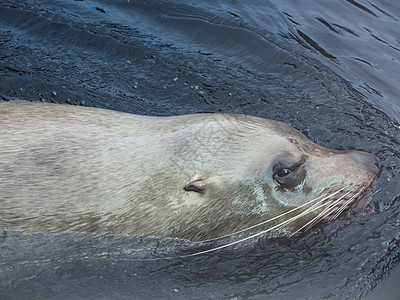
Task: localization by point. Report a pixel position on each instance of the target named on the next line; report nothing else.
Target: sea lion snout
(366, 161)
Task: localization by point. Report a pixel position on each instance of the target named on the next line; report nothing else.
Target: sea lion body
(196, 177)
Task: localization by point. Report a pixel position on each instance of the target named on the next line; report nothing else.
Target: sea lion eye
(283, 172)
(284, 175)
(287, 174)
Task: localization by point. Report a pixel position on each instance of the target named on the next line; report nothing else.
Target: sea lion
(197, 177)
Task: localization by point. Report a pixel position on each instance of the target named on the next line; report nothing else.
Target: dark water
(330, 69)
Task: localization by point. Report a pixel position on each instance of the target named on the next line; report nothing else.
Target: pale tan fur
(87, 169)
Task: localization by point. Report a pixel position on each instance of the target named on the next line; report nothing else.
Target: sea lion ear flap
(198, 186)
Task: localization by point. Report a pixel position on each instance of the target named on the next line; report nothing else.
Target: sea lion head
(270, 178)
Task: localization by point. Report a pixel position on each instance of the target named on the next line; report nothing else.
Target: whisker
(343, 207)
(318, 204)
(326, 211)
(246, 238)
(340, 209)
(333, 207)
(318, 199)
(259, 233)
(315, 219)
(323, 213)
(241, 240)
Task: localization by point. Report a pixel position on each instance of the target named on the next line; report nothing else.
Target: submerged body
(197, 177)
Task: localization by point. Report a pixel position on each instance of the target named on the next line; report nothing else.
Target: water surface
(329, 69)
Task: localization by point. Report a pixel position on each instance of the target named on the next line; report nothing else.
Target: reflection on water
(330, 70)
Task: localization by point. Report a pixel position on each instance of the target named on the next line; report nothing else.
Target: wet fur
(87, 169)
